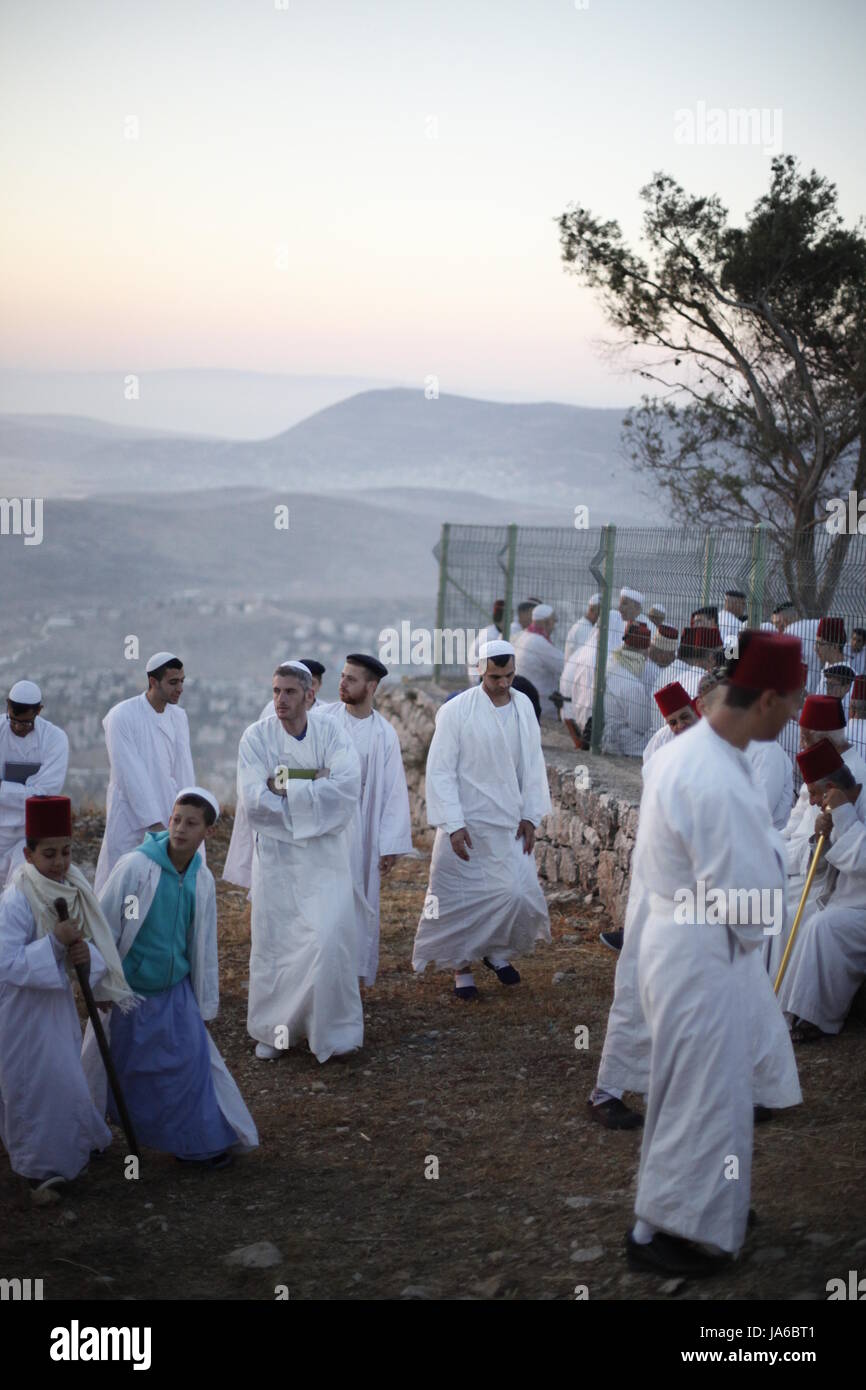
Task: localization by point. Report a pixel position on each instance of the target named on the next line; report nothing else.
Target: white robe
(776, 776)
(828, 962)
(49, 747)
(729, 625)
(578, 633)
(539, 661)
(492, 905)
(625, 1059)
(626, 713)
(48, 1122)
(661, 737)
(714, 1023)
(583, 689)
(385, 825)
(137, 875)
(304, 957)
(806, 629)
(856, 734)
(150, 762)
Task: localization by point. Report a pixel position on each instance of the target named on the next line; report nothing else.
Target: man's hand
(67, 933)
(272, 787)
(386, 863)
(526, 832)
(823, 823)
(460, 841)
(322, 772)
(79, 952)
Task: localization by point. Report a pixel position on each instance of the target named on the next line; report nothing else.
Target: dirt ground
(531, 1198)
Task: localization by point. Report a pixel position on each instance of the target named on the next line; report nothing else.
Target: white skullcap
(541, 611)
(205, 795)
(497, 648)
(296, 666)
(633, 594)
(159, 659)
(658, 608)
(25, 693)
(595, 601)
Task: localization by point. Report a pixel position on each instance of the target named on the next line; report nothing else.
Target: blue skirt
(160, 1050)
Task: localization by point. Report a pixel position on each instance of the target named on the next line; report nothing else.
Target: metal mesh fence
(677, 570)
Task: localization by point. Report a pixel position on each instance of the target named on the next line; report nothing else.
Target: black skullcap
(372, 663)
(315, 668)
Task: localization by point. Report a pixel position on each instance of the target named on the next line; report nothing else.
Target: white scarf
(85, 914)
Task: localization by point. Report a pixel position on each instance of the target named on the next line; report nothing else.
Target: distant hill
(556, 456)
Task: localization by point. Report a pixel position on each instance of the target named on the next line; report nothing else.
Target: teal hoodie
(158, 958)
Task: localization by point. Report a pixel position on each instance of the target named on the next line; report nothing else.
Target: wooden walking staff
(806, 886)
(83, 973)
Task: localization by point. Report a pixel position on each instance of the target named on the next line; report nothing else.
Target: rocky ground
(531, 1199)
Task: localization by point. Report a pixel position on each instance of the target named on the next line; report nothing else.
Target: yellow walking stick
(806, 886)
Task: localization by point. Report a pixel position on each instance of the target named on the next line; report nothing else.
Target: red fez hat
(858, 689)
(768, 661)
(706, 638)
(832, 630)
(671, 698)
(822, 713)
(637, 636)
(665, 630)
(819, 762)
(47, 817)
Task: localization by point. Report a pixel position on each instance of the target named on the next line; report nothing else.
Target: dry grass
(496, 1092)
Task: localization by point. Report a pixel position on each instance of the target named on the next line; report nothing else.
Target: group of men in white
(323, 812)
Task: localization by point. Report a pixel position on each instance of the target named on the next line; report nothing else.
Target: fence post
(440, 601)
(756, 576)
(601, 650)
(709, 555)
(509, 581)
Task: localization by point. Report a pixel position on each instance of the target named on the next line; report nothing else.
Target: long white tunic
(48, 1122)
(626, 1053)
(492, 904)
(304, 958)
(578, 633)
(828, 962)
(125, 901)
(626, 713)
(539, 661)
(806, 629)
(45, 746)
(707, 1002)
(583, 688)
(385, 821)
(659, 739)
(776, 776)
(856, 732)
(150, 762)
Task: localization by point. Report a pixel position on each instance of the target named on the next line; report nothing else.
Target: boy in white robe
(299, 781)
(828, 960)
(34, 755)
(704, 838)
(160, 903)
(148, 749)
(486, 788)
(48, 1123)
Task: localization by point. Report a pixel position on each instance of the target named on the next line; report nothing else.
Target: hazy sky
(369, 188)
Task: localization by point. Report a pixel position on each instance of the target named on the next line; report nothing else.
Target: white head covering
(633, 594)
(595, 601)
(25, 693)
(297, 666)
(159, 659)
(541, 611)
(205, 795)
(497, 648)
(657, 608)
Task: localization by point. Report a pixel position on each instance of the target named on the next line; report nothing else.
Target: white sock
(599, 1096)
(464, 978)
(642, 1232)
(497, 962)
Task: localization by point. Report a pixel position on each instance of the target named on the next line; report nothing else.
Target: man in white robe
(828, 961)
(538, 660)
(627, 717)
(384, 805)
(486, 789)
(855, 654)
(678, 712)
(148, 750)
(581, 631)
(660, 661)
(34, 755)
(583, 691)
(857, 716)
(730, 623)
(299, 781)
(704, 846)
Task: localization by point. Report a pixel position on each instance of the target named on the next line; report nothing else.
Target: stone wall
(584, 845)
